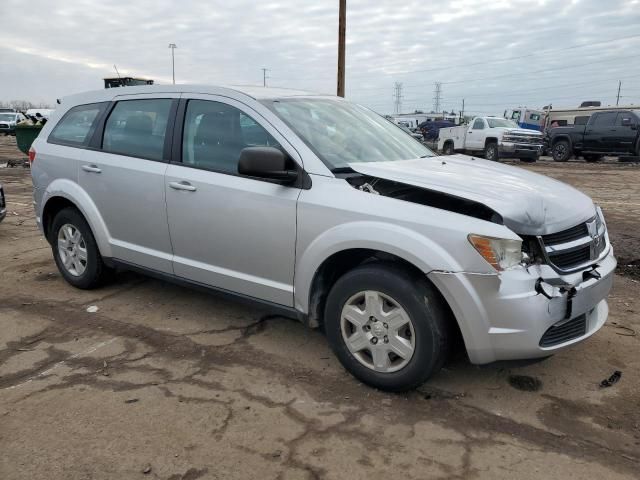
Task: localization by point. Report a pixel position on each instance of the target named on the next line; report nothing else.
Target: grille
(557, 334)
(526, 139)
(569, 235)
(571, 258)
(4, 125)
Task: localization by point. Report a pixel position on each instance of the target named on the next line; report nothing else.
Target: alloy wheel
(72, 250)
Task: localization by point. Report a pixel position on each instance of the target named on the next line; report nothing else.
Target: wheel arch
(341, 248)
(489, 140)
(63, 193)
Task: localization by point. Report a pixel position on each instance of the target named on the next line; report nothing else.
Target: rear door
(124, 176)
(229, 231)
(599, 131)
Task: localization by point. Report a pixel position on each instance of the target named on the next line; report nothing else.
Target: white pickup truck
(493, 137)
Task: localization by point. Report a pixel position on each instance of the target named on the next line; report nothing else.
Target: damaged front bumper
(527, 312)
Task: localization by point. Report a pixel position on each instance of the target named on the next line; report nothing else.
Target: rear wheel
(561, 151)
(75, 250)
(448, 148)
(491, 151)
(388, 328)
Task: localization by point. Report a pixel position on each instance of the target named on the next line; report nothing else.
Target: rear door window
(137, 128)
(77, 125)
(607, 119)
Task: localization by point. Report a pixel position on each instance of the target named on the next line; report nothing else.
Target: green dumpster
(25, 135)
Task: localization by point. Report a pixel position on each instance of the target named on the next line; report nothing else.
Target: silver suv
(320, 209)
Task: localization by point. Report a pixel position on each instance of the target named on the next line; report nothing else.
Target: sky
(495, 54)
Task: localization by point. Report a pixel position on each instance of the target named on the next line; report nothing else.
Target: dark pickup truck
(612, 133)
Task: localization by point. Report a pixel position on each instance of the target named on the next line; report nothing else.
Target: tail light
(32, 155)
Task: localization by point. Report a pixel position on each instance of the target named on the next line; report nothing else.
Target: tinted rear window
(77, 125)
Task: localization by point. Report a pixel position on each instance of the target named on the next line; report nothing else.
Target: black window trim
(303, 182)
(102, 107)
(98, 136)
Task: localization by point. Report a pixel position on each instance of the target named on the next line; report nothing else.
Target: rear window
(582, 120)
(137, 128)
(77, 125)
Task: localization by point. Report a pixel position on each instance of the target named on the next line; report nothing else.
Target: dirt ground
(167, 383)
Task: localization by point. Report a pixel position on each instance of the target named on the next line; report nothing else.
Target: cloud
(473, 46)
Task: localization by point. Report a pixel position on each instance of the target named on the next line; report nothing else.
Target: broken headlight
(500, 253)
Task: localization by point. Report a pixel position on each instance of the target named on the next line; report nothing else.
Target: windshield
(341, 132)
(501, 122)
(7, 117)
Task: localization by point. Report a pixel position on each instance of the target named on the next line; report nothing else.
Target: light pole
(173, 47)
(342, 28)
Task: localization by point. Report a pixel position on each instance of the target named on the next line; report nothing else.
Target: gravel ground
(185, 385)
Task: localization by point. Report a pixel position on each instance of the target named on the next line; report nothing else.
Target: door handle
(182, 186)
(91, 168)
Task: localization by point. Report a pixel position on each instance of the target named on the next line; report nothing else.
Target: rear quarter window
(77, 125)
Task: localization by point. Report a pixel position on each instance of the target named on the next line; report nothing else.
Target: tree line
(23, 105)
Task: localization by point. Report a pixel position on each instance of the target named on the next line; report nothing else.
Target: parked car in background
(613, 133)
(3, 204)
(332, 215)
(8, 122)
(493, 137)
(526, 118)
(404, 128)
(430, 130)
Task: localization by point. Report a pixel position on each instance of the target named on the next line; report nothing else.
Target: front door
(626, 131)
(476, 135)
(229, 231)
(124, 176)
(599, 131)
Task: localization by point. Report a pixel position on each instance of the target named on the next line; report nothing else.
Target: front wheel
(388, 327)
(491, 152)
(561, 151)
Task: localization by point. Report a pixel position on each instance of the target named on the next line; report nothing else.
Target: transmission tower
(397, 97)
(437, 97)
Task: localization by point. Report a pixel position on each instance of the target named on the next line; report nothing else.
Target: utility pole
(462, 112)
(264, 76)
(173, 47)
(397, 97)
(619, 87)
(342, 28)
(437, 97)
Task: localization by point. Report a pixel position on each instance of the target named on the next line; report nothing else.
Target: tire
(491, 152)
(592, 158)
(448, 149)
(85, 268)
(561, 151)
(424, 340)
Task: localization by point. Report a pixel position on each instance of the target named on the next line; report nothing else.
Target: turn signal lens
(32, 155)
(500, 253)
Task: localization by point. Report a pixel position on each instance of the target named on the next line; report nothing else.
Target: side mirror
(265, 162)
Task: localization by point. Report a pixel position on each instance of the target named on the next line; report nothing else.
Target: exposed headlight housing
(599, 218)
(500, 253)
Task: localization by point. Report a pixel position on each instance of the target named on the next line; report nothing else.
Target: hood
(529, 203)
(520, 131)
